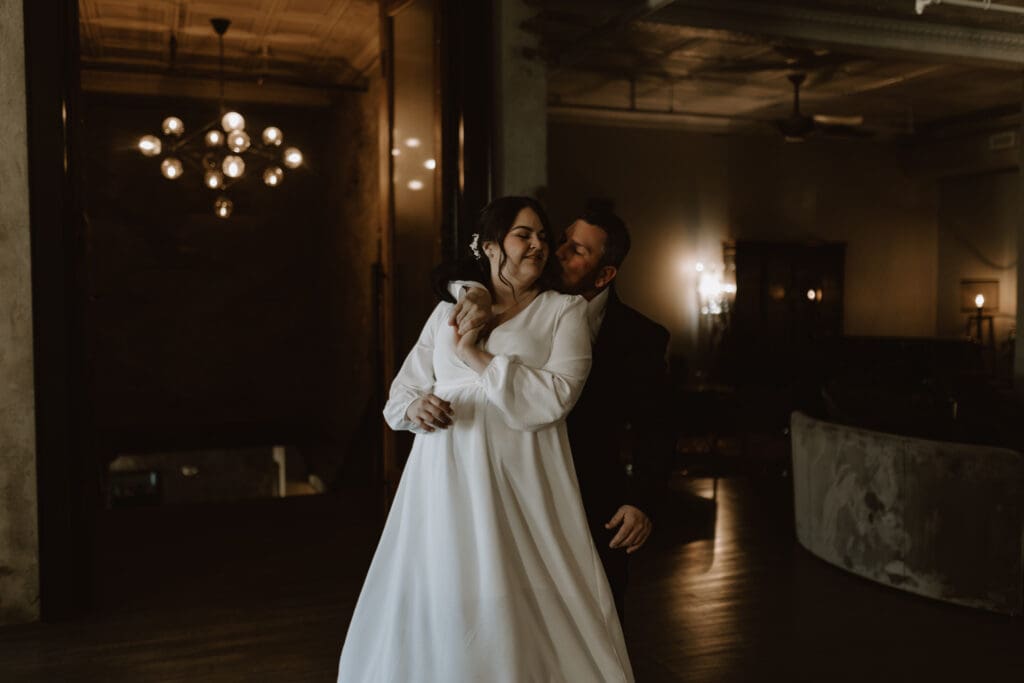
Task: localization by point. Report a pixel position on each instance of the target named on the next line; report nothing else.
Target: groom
(624, 402)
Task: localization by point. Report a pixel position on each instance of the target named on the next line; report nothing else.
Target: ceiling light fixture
(221, 150)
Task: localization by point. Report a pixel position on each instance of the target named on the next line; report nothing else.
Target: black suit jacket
(623, 409)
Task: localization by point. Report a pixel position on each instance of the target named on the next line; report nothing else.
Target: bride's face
(526, 251)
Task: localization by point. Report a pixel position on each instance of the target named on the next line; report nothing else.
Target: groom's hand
(472, 311)
(634, 528)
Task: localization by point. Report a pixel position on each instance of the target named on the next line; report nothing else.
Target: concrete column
(1018, 349)
(520, 104)
(19, 543)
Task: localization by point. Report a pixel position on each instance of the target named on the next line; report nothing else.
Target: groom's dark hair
(616, 244)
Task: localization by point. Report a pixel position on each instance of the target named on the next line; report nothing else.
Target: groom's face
(580, 256)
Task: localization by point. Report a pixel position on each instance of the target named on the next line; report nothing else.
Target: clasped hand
(470, 317)
(430, 412)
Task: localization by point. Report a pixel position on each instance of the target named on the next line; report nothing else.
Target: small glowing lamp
(273, 176)
(214, 138)
(172, 125)
(171, 168)
(223, 207)
(214, 180)
(292, 157)
(238, 141)
(232, 121)
(272, 136)
(233, 166)
(150, 145)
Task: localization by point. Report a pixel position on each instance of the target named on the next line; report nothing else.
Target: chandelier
(222, 151)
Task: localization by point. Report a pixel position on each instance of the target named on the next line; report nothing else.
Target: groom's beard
(587, 283)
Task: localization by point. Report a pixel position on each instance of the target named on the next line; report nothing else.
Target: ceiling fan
(798, 126)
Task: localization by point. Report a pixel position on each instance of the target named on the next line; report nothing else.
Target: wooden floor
(263, 591)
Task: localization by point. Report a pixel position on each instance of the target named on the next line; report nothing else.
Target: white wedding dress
(486, 571)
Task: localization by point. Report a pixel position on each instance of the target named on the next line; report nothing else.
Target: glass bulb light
(272, 136)
(238, 141)
(171, 168)
(232, 121)
(273, 176)
(214, 138)
(214, 180)
(150, 145)
(292, 157)
(233, 166)
(223, 207)
(172, 125)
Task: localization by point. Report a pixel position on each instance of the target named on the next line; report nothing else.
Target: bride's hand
(430, 412)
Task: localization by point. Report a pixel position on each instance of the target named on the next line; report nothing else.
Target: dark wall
(683, 193)
(202, 330)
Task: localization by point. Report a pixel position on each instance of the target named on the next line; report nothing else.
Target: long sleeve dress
(486, 571)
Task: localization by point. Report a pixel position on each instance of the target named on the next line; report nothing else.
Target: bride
(486, 571)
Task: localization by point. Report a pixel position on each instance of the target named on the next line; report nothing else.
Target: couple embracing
(504, 555)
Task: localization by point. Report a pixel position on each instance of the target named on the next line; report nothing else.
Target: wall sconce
(714, 291)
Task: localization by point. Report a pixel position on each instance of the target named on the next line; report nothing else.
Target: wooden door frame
(67, 481)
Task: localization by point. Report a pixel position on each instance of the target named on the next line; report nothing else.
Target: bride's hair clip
(474, 246)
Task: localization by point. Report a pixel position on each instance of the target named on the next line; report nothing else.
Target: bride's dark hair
(496, 220)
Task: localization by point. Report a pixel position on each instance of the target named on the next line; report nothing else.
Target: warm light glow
(415, 185)
(214, 138)
(979, 301)
(233, 166)
(238, 141)
(292, 157)
(213, 179)
(272, 136)
(709, 287)
(273, 176)
(396, 152)
(171, 168)
(817, 294)
(811, 295)
(412, 142)
(430, 164)
(223, 207)
(232, 121)
(150, 145)
(172, 125)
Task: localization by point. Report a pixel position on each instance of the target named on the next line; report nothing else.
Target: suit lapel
(608, 344)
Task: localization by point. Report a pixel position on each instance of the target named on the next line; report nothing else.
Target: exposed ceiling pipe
(919, 5)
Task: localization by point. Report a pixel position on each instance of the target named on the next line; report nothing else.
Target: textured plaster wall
(520, 111)
(19, 549)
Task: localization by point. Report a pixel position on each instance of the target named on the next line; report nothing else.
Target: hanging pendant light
(222, 150)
